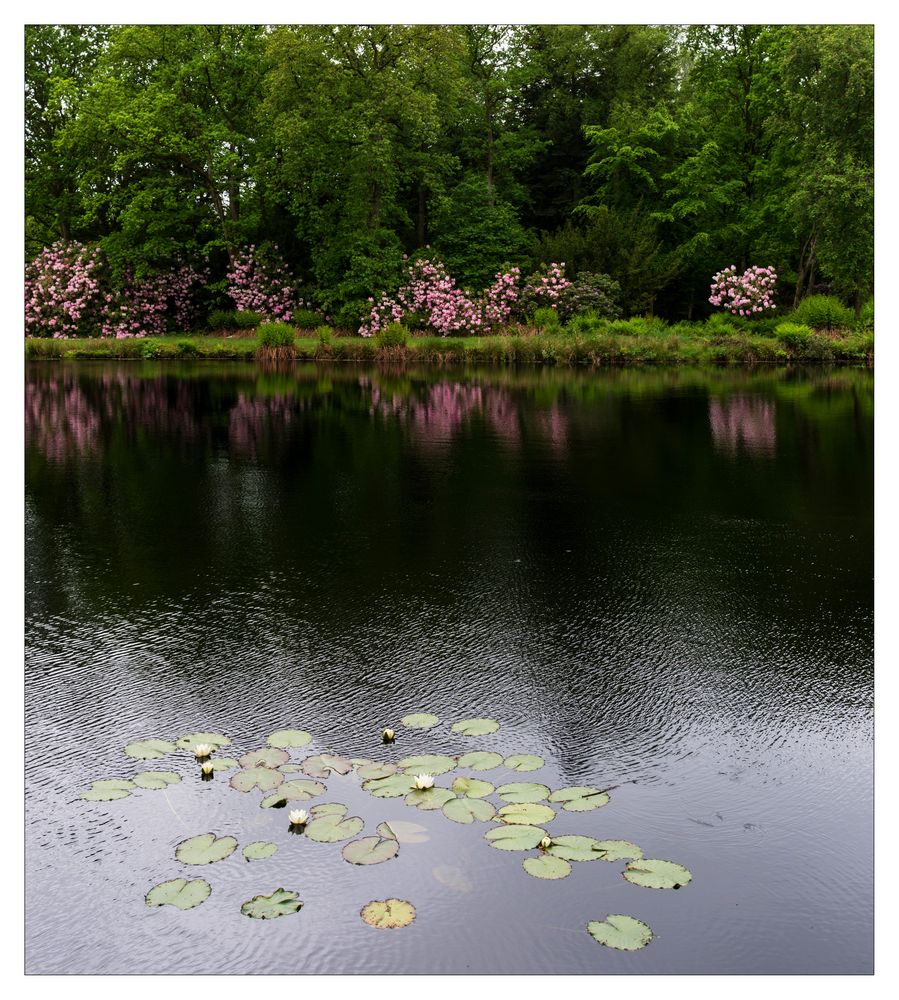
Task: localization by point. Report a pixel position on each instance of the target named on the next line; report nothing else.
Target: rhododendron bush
(746, 294)
(258, 281)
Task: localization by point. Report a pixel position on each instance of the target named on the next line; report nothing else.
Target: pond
(659, 581)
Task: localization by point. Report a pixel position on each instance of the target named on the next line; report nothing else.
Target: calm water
(657, 580)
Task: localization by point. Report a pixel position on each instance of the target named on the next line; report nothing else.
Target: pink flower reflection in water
(743, 422)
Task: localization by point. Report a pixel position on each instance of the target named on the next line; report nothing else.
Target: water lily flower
(387, 735)
(202, 750)
(546, 842)
(423, 781)
(298, 817)
(207, 767)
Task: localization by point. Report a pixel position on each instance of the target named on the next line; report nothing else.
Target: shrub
(866, 319)
(306, 319)
(823, 312)
(231, 319)
(547, 319)
(794, 335)
(275, 335)
(186, 349)
(392, 335)
(597, 293)
(746, 294)
(258, 281)
(586, 322)
(63, 297)
(543, 289)
(325, 335)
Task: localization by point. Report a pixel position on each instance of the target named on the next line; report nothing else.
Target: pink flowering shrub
(258, 281)
(746, 294)
(62, 292)
(544, 289)
(430, 291)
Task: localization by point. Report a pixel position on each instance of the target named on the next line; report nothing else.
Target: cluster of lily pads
(519, 824)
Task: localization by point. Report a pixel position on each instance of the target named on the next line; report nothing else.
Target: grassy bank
(619, 344)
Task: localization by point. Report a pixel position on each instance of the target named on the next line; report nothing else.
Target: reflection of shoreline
(743, 422)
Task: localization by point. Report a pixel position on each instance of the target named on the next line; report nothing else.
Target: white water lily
(202, 750)
(298, 817)
(387, 735)
(423, 781)
(546, 842)
(207, 767)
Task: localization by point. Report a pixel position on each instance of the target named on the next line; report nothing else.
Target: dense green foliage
(651, 155)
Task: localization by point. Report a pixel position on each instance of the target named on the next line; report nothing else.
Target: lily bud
(387, 735)
(546, 842)
(207, 767)
(298, 817)
(202, 751)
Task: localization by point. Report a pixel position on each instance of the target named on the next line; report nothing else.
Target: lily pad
(572, 847)
(388, 914)
(329, 809)
(621, 932)
(526, 813)
(298, 790)
(391, 787)
(514, 838)
(544, 866)
(480, 760)
(467, 810)
(370, 851)
(405, 833)
(179, 892)
(280, 903)
(284, 738)
(215, 740)
(259, 850)
(264, 778)
(472, 788)
(291, 769)
(653, 873)
(224, 763)
(374, 769)
(428, 798)
(322, 765)
(149, 750)
(420, 720)
(522, 791)
(619, 850)
(580, 798)
(205, 849)
(475, 727)
(428, 763)
(524, 762)
(108, 790)
(266, 757)
(332, 829)
(156, 779)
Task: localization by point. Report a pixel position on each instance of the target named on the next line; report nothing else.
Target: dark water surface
(658, 580)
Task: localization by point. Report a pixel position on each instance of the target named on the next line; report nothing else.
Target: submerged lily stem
(165, 792)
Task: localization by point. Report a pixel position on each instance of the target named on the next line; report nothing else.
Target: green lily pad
(621, 932)
(544, 866)
(291, 769)
(428, 763)
(391, 787)
(421, 720)
(526, 814)
(266, 757)
(332, 829)
(370, 851)
(619, 850)
(467, 810)
(280, 903)
(524, 762)
(472, 788)
(374, 769)
(329, 809)
(522, 791)
(149, 750)
(156, 779)
(224, 763)
(405, 833)
(428, 798)
(572, 847)
(179, 892)
(323, 764)
(653, 873)
(480, 760)
(205, 849)
(514, 838)
(215, 740)
(298, 790)
(108, 790)
(259, 850)
(475, 727)
(388, 914)
(264, 778)
(580, 798)
(284, 738)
